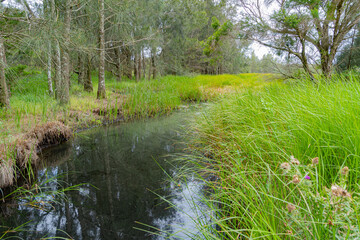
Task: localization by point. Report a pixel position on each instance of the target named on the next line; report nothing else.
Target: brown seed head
(294, 161)
(315, 161)
(345, 193)
(290, 208)
(296, 179)
(336, 190)
(339, 191)
(330, 223)
(345, 170)
(285, 166)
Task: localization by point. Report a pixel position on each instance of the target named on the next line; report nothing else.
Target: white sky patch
(260, 50)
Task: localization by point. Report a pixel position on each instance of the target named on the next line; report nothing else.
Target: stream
(125, 170)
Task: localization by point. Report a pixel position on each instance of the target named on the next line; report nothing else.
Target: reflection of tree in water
(120, 162)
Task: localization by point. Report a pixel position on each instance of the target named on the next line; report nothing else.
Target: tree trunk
(4, 95)
(55, 54)
(101, 93)
(153, 65)
(88, 87)
(49, 69)
(326, 65)
(65, 85)
(139, 66)
(143, 65)
(58, 76)
(351, 51)
(64, 98)
(81, 69)
(127, 66)
(136, 72)
(117, 53)
(149, 74)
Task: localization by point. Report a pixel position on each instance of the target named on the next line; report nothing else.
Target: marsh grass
(244, 140)
(126, 100)
(31, 105)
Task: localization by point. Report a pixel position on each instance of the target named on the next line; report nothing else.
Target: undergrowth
(31, 104)
(285, 160)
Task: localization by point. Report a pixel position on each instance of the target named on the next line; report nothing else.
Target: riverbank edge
(116, 108)
(21, 155)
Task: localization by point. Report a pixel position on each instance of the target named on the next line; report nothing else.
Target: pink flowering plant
(310, 208)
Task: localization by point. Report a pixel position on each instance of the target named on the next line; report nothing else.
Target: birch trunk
(4, 95)
(101, 89)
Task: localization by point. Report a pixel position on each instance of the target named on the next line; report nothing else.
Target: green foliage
(211, 47)
(350, 56)
(10, 23)
(12, 72)
(290, 20)
(263, 192)
(215, 23)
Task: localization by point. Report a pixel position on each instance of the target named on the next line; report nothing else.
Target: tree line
(141, 39)
(132, 39)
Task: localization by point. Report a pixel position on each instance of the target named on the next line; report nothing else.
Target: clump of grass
(23, 154)
(246, 141)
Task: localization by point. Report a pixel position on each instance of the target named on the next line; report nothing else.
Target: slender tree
(51, 16)
(4, 96)
(101, 93)
(65, 63)
(88, 87)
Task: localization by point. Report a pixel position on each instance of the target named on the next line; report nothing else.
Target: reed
(285, 161)
(31, 105)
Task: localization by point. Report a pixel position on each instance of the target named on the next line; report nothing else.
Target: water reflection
(120, 162)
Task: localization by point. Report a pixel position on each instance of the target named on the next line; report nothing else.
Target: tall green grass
(31, 104)
(246, 142)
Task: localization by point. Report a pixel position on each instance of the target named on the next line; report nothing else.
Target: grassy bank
(286, 161)
(31, 106)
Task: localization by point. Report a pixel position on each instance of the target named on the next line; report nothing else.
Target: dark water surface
(123, 163)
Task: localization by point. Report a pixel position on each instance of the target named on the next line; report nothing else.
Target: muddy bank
(23, 153)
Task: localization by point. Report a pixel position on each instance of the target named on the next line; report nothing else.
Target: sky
(260, 50)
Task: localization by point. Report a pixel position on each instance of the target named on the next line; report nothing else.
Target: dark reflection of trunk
(108, 181)
(67, 208)
(119, 161)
